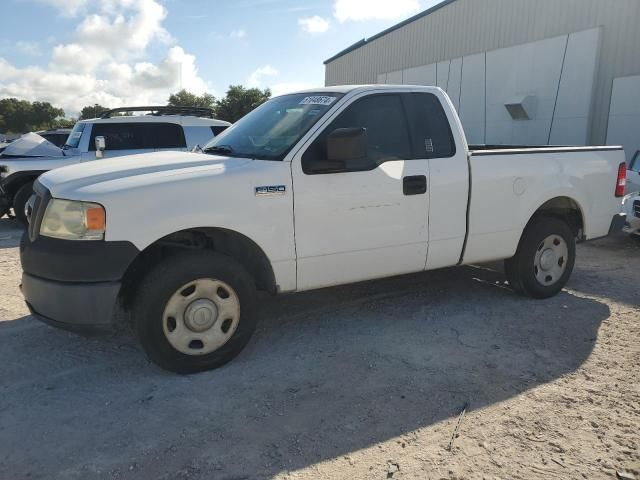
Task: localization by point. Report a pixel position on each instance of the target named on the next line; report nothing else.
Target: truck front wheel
(544, 260)
(195, 311)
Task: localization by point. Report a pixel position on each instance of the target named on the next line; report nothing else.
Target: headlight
(73, 220)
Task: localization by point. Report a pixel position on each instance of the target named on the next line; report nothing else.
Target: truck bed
(509, 183)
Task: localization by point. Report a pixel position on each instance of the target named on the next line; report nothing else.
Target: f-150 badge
(271, 190)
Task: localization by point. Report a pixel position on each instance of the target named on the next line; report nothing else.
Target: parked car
(310, 190)
(57, 136)
(631, 206)
(633, 174)
(165, 128)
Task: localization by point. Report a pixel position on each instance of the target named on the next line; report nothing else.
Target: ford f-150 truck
(310, 190)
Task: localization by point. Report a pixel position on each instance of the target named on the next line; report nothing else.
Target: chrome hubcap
(550, 260)
(201, 316)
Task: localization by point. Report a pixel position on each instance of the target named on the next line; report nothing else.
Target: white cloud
(29, 48)
(315, 24)
(360, 10)
(105, 61)
(123, 36)
(238, 34)
(256, 78)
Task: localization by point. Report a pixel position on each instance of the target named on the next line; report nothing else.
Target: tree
(239, 101)
(92, 111)
(188, 99)
(20, 116)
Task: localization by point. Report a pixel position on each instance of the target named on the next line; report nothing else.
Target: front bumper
(72, 284)
(69, 305)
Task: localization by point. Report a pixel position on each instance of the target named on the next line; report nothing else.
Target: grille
(636, 208)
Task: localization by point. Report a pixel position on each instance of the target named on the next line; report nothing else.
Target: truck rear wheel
(195, 311)
(20, 200)
(544, 260)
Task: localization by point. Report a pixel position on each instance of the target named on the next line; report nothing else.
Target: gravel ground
(361, 382)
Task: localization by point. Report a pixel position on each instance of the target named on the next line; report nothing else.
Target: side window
(431, 130)
(168, 135)
(385, 122)
(218, 129)
(122, 136)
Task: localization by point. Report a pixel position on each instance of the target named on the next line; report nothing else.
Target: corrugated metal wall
(465, 27)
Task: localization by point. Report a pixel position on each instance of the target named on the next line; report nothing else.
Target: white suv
(116, 133)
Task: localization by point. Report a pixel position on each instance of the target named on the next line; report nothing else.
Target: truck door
(368, 219)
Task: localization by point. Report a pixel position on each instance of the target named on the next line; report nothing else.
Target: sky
(74, 53)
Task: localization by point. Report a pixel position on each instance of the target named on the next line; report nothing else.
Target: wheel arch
(564, 208)
(228, 242)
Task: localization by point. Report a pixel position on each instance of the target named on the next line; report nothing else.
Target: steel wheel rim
(201, 316)
(550, 262)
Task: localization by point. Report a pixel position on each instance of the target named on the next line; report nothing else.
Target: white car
(631, 206)
(312, 189)
(164, 128)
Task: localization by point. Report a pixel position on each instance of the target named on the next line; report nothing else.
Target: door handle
(414, 185)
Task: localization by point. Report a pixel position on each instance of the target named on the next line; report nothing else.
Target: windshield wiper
(219, 149)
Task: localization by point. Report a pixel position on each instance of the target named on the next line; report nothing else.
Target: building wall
(467, 27)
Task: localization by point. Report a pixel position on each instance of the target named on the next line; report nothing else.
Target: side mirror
(101, 146)
(344, 144)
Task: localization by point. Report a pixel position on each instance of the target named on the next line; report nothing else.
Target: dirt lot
(358, 382)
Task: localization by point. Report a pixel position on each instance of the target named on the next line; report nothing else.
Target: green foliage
(239, 101)
(21, 116)
(188, 99)
(234, 105)
(92, 111)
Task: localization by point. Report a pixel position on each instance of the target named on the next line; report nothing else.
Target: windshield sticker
(318, 100)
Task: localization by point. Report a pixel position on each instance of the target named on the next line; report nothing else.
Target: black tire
(521, 269)
(20, 200)
(165, 280)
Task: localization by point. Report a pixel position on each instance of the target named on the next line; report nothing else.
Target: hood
(109, 175)
(32, 145)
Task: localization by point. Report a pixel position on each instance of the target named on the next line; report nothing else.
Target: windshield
(74, 137)
(272, 129)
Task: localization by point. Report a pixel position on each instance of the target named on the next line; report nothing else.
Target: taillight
(622, 179)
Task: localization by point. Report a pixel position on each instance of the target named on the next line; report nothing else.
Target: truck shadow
(328, 373)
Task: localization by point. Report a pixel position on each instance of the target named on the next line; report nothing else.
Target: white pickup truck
(310, 190)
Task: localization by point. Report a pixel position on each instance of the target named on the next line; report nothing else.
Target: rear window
(432, 135)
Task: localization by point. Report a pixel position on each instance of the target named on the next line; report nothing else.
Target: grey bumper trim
(69, 305)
